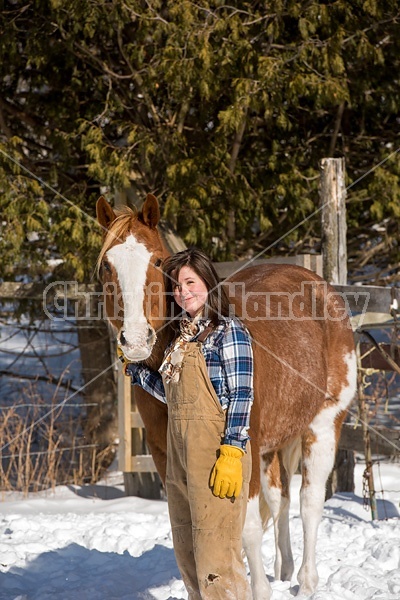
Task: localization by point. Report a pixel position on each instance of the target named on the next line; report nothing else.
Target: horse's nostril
(122, 339)
(149, 334)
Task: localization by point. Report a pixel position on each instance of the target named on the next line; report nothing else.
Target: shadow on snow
(77, 573)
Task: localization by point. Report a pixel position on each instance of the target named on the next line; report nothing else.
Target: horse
(304, 376)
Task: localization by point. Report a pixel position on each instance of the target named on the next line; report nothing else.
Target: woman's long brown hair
(217, 304)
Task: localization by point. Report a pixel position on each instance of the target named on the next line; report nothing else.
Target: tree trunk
(100, 385)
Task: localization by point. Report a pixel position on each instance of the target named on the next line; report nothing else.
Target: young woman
(206, 380)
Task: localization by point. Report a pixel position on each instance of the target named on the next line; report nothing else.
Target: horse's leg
(319, 445)
(317, 462)
(278, 470)
(252, 539)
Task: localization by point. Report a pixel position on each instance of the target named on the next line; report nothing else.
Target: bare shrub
(43, 445)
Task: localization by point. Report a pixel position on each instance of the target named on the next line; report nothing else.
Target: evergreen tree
(223, 110)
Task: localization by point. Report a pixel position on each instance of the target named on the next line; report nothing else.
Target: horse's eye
(158, 262)
(106, 267)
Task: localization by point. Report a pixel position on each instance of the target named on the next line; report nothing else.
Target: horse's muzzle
(140, 349)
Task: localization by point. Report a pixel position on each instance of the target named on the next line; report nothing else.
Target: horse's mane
(117, 231)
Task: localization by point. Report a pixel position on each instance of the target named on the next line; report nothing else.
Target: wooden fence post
(334, 262)
(144, 483)
(334, 226)
(368, 472)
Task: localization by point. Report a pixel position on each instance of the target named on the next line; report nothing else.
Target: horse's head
(129, 268)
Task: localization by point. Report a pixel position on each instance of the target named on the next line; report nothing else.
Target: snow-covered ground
(94, 543)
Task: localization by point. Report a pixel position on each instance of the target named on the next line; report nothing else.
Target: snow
(94, 543)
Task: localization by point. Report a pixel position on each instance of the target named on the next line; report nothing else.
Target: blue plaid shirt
(229, 359)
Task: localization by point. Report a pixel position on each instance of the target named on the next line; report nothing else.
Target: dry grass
(43, 446)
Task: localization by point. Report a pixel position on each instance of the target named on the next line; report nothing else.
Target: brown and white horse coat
(304, 377)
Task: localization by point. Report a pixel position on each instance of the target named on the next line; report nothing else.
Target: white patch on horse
(348, 392)
(323, 423)
(131, 260)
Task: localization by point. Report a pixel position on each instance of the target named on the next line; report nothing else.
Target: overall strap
(205, 333)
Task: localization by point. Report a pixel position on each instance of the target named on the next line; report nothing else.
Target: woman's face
(190, 293)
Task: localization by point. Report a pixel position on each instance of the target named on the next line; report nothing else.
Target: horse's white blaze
(131, 260)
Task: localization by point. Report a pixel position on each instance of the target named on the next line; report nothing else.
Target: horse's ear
(104, 212)
(150, 214)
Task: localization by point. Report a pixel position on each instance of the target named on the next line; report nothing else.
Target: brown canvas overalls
(206, 530)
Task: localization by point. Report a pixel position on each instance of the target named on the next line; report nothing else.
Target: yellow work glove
(120, 354)
(226, 477)
(122, 358)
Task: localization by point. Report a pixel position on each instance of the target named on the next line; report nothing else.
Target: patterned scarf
(172, 364)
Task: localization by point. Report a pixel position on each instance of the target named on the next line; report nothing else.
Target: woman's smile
(190, 291)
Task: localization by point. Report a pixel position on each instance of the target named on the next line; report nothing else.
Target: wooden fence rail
(359, 298)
